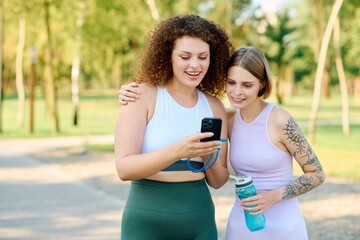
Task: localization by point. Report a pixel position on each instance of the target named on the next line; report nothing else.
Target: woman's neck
(250, 113)
(179, 89)
(184, 95)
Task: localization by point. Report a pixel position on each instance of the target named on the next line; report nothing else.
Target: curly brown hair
(155, 65)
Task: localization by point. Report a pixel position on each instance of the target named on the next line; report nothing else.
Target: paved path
(38, 201)
(77, 195)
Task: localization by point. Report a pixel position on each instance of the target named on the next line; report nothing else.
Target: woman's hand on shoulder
(129, 93)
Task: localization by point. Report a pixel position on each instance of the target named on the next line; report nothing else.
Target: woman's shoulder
(279, 116)
(231, 112)
(215, 103)
(213, 100)
(146, 88)
(147, 97)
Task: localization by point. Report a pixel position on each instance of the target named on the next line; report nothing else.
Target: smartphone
(211, 124)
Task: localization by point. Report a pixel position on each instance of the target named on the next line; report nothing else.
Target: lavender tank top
(253, 154)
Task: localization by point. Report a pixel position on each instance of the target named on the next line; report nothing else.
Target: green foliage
(113, 33)
(338, 154)
(97, 115)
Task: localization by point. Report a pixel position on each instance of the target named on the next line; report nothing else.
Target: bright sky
(270, 5)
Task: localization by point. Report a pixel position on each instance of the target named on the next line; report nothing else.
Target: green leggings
(158, 210)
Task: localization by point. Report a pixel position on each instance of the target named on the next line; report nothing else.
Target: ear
(262, 84)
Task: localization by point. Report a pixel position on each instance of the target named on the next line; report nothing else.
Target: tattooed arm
(298, 146)
(287, 136)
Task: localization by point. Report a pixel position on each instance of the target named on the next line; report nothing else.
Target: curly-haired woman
(182, 78)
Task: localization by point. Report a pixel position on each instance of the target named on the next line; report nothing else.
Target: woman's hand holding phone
(192, 146)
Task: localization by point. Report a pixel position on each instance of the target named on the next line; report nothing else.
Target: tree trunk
(278, 85)
(320, 69)
(342, 79)
(75, 69)
(51, 93)
(357, 91)
(229, 16)
(32, 83)
(19, 73)
(154, 10)
(319, 16)
(1, 72)
(326, 80)
(117, 71)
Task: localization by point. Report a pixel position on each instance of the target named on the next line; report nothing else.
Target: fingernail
(211, 134)
(218, 147)
(219, 143)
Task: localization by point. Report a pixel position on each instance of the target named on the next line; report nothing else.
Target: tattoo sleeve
(313, 173)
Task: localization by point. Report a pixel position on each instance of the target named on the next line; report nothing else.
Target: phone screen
(211, 125)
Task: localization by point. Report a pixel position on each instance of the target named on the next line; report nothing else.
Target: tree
(342, 78)
(50, 77)
(319, 15)
(154, 10)
(279, 52)
(320, 68)
(75, 68)
(19, 73)
(1, 71)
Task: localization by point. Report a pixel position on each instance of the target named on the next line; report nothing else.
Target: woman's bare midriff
(177, 176)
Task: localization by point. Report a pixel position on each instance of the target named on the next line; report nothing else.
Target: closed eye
(230, 82)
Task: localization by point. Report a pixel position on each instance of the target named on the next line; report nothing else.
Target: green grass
(300, 107)
(102, 147)
(97, 115)
(339, 154)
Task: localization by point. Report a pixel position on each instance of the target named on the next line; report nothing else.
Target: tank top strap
(264, 115)
(268, 109)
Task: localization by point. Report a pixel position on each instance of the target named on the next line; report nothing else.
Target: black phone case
(211, 125)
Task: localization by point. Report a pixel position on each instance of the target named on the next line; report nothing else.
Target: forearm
(139, 166)
(218, 174)
(303, 184)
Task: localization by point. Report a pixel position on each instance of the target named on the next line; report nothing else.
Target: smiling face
(190, 60)
(242, 87)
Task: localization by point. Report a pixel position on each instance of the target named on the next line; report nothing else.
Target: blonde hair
(254, 61)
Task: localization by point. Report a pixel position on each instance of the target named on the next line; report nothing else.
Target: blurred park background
(62, 63)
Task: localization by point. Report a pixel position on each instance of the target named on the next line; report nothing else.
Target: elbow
(219, 183)
(123, 177)
(217, 186)
(124, 174)
(121, 171)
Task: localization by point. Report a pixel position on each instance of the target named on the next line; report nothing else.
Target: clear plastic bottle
(245, 189)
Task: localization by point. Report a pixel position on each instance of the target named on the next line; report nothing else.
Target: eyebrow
(242, 82)
(190, 52)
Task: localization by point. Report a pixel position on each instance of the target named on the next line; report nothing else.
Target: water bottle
(245, 189)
